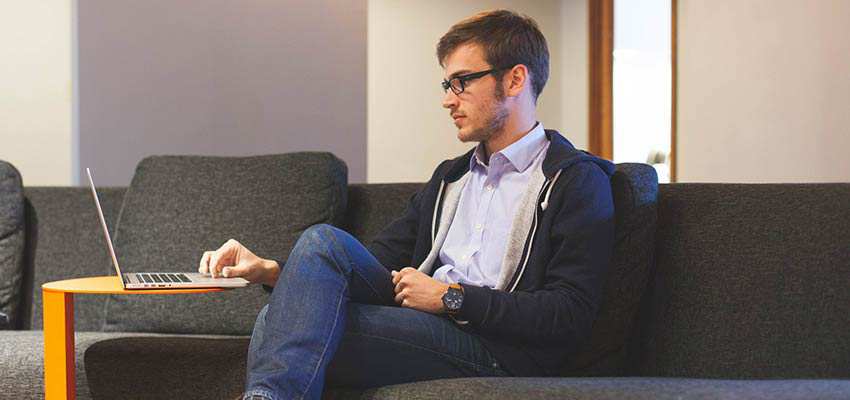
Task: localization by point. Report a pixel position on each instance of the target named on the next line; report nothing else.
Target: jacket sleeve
(581, 242)
(394, 245)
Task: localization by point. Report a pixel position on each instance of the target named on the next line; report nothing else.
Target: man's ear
(516, 79)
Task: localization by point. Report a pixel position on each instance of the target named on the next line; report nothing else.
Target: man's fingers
(204, 265)
(216, 259)
(222, 256)
(397, 275)
(399, 298)
(402, 283)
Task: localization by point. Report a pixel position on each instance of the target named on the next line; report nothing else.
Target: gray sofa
(716, 290)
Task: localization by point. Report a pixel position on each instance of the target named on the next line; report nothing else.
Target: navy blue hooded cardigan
(535, 327)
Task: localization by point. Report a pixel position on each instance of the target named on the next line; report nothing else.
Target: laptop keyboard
(163, 278)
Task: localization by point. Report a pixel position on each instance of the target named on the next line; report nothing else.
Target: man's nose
(450, 99)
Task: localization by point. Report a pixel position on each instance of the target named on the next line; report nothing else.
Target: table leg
(59, 378)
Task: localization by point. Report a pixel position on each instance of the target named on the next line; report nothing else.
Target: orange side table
(58, 303)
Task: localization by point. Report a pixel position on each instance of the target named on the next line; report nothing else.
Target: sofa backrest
(66, 242)
(371, 207)
(179, 206)
(752, 281)
(634, 188)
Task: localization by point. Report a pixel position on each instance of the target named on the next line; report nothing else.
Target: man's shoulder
(562, 155)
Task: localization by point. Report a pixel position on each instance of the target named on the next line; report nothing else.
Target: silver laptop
(160, 280)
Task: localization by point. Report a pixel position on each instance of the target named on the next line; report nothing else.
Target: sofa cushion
(122, 365)
(602, 389)
(11, 244)
(179, 206)
(64, 241)
(634, 189)
(752, 282)
(166, 366)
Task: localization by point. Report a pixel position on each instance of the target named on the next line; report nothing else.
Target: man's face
(479, 111)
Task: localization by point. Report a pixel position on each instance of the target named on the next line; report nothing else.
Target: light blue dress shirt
(477, 238)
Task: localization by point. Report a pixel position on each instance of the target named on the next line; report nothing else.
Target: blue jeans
(332, 316)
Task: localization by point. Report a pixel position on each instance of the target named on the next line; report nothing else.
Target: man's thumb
(230, 272)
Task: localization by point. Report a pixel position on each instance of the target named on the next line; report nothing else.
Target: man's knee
(322, 241)
(316, 238)
(318, 233)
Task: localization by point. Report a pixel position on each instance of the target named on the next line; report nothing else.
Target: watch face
(453, 299)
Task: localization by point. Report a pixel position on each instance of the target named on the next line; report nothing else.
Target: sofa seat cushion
(179, 206)
(123, 365)
(633, 388)
(11, 244)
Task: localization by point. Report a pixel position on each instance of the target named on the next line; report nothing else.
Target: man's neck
(514, 129)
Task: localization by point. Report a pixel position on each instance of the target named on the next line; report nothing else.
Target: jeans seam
(473, 364)
(363, 278)
(327, 342)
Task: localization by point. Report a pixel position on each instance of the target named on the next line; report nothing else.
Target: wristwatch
(453, 299)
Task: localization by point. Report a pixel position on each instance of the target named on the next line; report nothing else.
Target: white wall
(35, 90)
(409, 133)
(764, 91)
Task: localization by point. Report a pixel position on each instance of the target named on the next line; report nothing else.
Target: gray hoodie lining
(452, 198)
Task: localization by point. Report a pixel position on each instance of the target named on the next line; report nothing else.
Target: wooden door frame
(601, 77)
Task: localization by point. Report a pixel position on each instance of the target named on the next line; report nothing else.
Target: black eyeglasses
(458, 83)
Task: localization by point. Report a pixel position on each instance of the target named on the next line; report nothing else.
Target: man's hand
(413, 289)
(233, 260)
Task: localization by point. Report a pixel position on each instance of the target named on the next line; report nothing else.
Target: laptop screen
(105, 229)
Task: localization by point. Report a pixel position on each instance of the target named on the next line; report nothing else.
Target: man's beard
(496, 121)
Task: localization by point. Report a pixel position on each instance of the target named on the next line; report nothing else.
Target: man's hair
(507, 39)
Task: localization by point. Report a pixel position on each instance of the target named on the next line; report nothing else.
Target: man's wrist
(452, 299)
(443, 292)
(272, 272)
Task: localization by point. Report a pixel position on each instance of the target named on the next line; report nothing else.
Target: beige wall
(764, 91)
(409, 132)
(35, 90)
(574, 72)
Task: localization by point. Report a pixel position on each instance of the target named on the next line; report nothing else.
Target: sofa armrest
(4, 322)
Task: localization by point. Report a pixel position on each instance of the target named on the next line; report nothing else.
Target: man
(494, 269)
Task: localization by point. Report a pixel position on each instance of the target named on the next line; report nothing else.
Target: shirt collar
(520, 153)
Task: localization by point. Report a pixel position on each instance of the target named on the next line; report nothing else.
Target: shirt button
(489, 187)
(479, 228)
